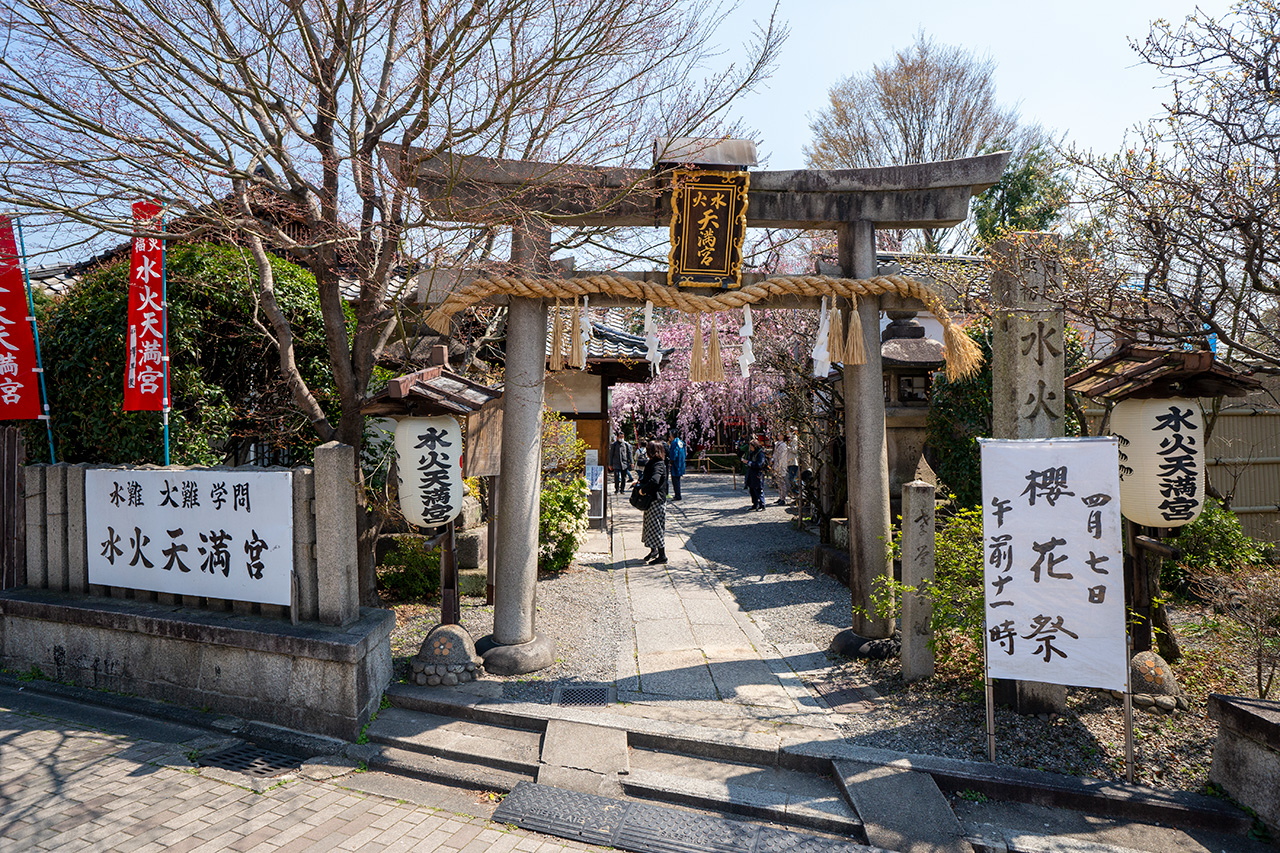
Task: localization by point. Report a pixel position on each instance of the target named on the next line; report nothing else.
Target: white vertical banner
(1054, 570)
(429, 467)
(205, 532)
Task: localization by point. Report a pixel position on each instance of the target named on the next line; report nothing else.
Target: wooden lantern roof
(1142, 372)
(434, 390)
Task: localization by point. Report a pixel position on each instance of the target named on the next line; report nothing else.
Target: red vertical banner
(146, 368)
(19, 379)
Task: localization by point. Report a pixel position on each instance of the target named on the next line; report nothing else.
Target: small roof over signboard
(1143, 372)
(434, 390)
(690, 151)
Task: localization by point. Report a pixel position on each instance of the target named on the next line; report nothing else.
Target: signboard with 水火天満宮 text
(212, 533)
(708, 224)
(1053, 570)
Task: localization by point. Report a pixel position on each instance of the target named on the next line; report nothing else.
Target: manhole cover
(250, 760)
(585, 694)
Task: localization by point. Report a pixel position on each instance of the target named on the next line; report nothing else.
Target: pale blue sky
(1067, 64)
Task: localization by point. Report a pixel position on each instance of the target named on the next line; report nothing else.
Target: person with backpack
(653, 485)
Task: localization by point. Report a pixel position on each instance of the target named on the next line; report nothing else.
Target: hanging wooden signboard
(708, 224)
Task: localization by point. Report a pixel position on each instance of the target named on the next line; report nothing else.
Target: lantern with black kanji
(429, 466)
(1162, 460)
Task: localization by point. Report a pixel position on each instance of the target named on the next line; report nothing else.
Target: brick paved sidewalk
(67, 788)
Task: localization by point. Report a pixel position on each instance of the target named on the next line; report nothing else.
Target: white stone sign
(1054, 571)
(429, 467)
(212, 533)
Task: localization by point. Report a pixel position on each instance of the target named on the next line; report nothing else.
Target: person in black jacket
(755, 462)
(620, 460)
(654, 482)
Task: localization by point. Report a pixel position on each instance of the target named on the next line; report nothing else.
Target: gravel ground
(774, 582)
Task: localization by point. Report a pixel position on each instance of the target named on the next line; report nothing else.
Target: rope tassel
(835, 337)
(557, 341)
(855, 348)
(715, 365)
(697, 365)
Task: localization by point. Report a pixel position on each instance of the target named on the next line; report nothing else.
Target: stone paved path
(64, 787)
(691, 642)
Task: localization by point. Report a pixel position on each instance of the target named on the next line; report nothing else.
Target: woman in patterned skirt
(654, 482)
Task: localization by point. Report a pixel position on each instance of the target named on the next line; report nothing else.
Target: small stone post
(55, 512)
(1028, 366)
(37, 566)
(336, 551)
(77, 536)
(917, 570)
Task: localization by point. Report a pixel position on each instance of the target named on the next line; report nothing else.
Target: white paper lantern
(429, 468)
(1161, 460)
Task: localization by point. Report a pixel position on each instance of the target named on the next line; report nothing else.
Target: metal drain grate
(647, 828)
(250, 760)
(585, 694)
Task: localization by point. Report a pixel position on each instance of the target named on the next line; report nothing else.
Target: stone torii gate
(852, 202)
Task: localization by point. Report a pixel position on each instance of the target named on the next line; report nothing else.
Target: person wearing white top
(784, 459)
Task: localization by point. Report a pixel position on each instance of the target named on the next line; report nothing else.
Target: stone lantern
(909, 359)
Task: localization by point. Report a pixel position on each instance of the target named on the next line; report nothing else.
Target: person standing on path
(620, 461)
(654, 482)
(755, 462)
(783, 462)
(676, 453)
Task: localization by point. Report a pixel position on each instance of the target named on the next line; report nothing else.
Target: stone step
(757, 789)
(498, 747)
(445, 771)
(902, 810)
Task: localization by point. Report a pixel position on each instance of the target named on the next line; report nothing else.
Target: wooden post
(492, 533)
(450, 611)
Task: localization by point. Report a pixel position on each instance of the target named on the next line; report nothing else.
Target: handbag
(639, 499)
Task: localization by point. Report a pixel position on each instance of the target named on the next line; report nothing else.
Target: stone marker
(917, 572)
(1028, 397)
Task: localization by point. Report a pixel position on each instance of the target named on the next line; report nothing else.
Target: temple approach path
(693, 650)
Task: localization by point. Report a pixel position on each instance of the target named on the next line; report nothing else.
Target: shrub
(1214, 542)
(226, 383)
(562, 523)
(411, 571)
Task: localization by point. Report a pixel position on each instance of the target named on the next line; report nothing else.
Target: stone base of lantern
(447, 658)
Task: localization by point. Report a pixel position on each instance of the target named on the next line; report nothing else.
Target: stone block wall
(311, 677)
(319, 665)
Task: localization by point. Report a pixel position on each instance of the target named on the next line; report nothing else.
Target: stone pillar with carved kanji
(1028, 366)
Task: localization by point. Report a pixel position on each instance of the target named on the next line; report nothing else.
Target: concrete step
(498, 747)
(445, 771)
(771, 793)
(901, 809)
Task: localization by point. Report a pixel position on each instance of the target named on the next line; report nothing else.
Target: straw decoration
(715, 365)
(557, 341)
(835, 336)
(855, 348)
(577, 355)
(697, 365)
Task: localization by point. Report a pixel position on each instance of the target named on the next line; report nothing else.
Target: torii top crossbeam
(925, 195)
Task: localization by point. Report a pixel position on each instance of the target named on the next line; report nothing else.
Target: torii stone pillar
(515, 647)
(866, 448)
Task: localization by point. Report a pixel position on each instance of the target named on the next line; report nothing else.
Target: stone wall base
(833, 561)
(311, 677)
(1246, 755)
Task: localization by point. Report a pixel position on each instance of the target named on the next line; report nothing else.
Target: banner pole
(1128, 713)
(164, 331)
(35, 332)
